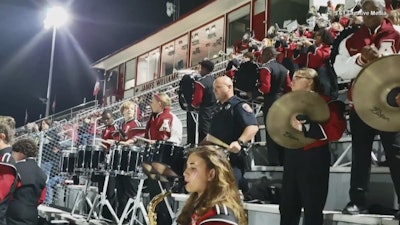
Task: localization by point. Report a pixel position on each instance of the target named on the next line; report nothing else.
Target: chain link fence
(61, 142)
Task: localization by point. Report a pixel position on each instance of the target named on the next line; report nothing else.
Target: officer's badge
(228, 106)
(247, 108)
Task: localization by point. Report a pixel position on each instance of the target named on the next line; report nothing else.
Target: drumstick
(144, 139)
(217, 141)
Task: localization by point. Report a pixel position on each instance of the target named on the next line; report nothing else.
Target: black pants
(362, 140)
(305, 184)
(191, 129)
(205, 115)
(163, 216)
(275, 152)
(127, 187)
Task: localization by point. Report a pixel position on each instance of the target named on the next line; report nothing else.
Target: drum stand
(195, 116)
(170, 211)
(137, 204)
(102, 200)
(81, 197)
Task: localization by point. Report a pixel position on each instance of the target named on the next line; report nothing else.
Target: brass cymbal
(291, 104)
(374, 91)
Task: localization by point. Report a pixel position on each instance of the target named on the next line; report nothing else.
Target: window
(148, 66)
(130, 75)
(174, 55)
(238, 25)
(111, 78)
(207, 41)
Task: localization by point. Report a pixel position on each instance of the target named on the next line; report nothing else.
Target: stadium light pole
(55, 18)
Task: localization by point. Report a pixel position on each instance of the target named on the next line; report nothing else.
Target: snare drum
(125, 160)
(168, 159)
(67, 164)
(90, 159)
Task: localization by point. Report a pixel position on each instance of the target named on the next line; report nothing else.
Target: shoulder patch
(247, 108)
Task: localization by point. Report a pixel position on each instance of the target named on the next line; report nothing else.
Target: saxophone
(151, 207)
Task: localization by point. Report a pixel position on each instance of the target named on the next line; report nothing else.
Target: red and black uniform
(8, 183)
(347, 64)
(306, 170)
(5, 155)
(130, 129)
(127, 187)
(110, 132)
(204, 100)
(240, 46)
(286, 57)
(159, 128)
(30, 192)
(218, 215)
(315, 56)
(274, 82)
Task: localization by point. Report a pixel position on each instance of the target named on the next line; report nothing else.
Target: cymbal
(293, 103)
(374, 91)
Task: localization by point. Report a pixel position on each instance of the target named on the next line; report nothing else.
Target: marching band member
(108, 136)
(8, 173)
(203, 97)
(31, 187)
(317, 53)
(274, 82)
(127, 187)
(214, 197)
(354, 49)
(5, 142)
(162, 126)
(317, 57)
(306, 170)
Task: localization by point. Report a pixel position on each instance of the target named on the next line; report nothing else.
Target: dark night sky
(98, 28)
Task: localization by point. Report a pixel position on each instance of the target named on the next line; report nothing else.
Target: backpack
(246, 77)
(264, 191)
(185, 91)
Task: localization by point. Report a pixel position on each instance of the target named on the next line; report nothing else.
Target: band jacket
(129, 129)
(315, 57)
(159, 125)
(331, 130)
(30, 192)
(218, 215)
(110, 132)
(8, 182)
(274, 78)
(346, 49)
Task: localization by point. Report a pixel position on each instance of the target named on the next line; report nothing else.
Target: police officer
(203, 97)
(234, 123)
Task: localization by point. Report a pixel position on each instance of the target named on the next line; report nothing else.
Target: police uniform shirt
(232, 117)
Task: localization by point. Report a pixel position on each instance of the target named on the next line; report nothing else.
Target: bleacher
(72, 129)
